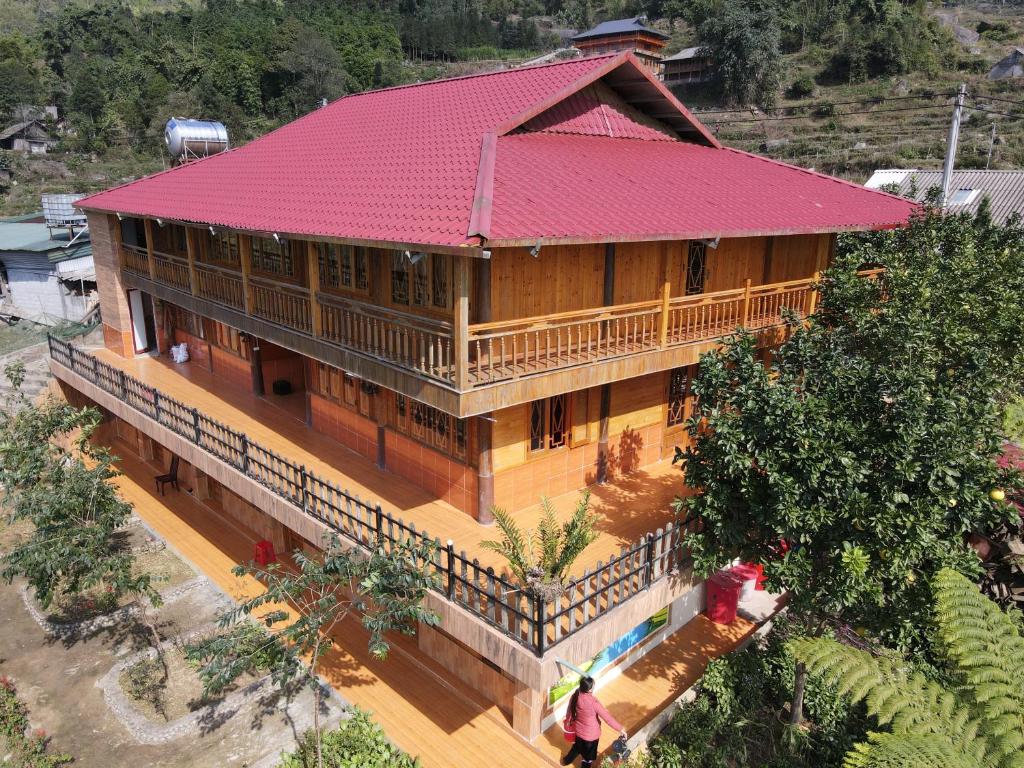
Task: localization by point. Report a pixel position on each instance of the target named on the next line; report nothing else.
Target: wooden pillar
(484, 422)
(666, 292)
(245, 259)
(191, 247)
(460, 338)
(149, 250)
(812, 298)
(256, 363)
(202, 485)
(313, 272)
(745, 320)
(606, 389)
(769, 255)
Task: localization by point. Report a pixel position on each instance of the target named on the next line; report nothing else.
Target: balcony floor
(630, 507)
(419, 704)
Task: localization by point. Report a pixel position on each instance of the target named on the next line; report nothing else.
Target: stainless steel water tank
(194, 138)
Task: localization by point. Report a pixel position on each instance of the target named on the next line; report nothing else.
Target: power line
(994, 112)
(807, 104)
(996, 98)
(826, 116)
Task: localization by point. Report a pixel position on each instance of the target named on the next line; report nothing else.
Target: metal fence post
(450, 548)
(156, 404)
(95, 369)
(245, 455)
(195, 424)
(380, 526)
(649, 561)
(124, 385)
(539, 621)
(305, 488)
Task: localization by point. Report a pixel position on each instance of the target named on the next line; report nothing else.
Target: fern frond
(513, 545)
(889, 750)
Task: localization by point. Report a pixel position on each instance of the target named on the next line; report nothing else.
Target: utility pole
(991, 143)
(954, 138)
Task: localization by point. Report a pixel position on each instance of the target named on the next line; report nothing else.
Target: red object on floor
(723, 596)
(264, 554)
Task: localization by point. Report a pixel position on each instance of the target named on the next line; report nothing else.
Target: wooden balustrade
(172, 270)
(221, 285)
(408, 340)
(135, 259)
(281, 303)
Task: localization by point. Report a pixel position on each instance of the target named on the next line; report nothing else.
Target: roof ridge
(527, 67)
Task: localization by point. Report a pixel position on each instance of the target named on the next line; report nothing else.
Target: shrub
(801, 88)
(146, 680)
(27, 750)
(358, 742)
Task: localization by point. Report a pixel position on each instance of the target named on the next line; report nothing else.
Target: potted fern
(541, 558)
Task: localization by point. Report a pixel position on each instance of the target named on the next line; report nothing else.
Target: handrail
(491, 597)
(266, 282)
(431, 324)
(220, 269)
(172, 257)
(582, 314)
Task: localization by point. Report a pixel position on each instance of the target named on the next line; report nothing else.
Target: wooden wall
(567, 278)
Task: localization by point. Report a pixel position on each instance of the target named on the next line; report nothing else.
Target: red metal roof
(447, 163)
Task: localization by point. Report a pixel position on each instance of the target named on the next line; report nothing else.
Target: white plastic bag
(179, 353)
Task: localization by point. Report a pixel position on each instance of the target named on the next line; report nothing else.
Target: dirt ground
(57, 677)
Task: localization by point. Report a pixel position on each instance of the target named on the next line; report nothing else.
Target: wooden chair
(171, 477)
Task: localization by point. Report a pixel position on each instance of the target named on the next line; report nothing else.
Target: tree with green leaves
(974, 718)
(743, 41)
(303, 607)
(57, 479)
(540, 559)
(856, 464)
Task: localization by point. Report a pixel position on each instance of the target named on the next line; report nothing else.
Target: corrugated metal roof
(620, 27)
(35, 238)
(1004, 189)
(475, 159)
(686, 53)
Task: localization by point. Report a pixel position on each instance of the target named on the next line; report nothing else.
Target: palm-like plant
(977, 721)
(540, 558)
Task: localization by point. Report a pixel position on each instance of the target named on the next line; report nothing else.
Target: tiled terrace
(630, 507)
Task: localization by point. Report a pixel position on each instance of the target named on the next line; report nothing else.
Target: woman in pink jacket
(584, 718)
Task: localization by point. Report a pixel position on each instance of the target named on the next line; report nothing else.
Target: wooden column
(666, 291)
(117, 240)
(149, 250)
(812, 299)
(313, 271)
(745, 321)
(245, 259)
(191, 247)
(606, 389)
(527, 712)
(484, 422)
(460, 335)
(256, 363)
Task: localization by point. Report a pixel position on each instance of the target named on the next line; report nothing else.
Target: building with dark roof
(1004, 190)
(688, 66)
(619, 35)
(27, 136)
(450, 297)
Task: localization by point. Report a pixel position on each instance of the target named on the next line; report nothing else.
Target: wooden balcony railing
(492, 352)
(281, 303)
(517, 348)
(172, 270)
(136, 260)
(493, 598)
(410, 341)
(221, 285)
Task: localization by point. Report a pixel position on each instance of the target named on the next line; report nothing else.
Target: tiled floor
(630, 507)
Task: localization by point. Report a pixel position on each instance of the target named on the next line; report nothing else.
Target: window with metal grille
(695, 264)
(421, 282)
(432, 427)
(440, 279)
(549, 423)
(272, 257)
(342, 266)
(678, 389)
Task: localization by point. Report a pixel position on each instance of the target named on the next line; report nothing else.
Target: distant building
(690, 65)
(30, 135)
(1011, 66)
(1004, 189)
(44, 276)
(625, 35)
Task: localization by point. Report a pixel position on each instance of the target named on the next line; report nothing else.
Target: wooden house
(688, 66)
(31, 135)
(467, 293)
(621, 35)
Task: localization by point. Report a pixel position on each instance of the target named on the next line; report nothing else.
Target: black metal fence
(494, 599)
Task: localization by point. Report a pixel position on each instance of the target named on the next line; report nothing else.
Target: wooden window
(549, 423)
(343, 266)
(580, 418)
(224, 248)
(272, 257)
(186, 321)
(351, 390)
(695, 267)
(399, 278)
(678, 392)
(425, 280)
(431, 427)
